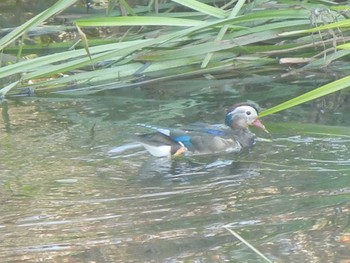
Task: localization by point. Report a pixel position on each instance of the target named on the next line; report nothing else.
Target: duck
(205, 139)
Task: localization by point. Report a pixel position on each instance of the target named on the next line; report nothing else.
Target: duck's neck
(244, 136)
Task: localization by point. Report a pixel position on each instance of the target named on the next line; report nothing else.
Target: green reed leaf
(311, 95)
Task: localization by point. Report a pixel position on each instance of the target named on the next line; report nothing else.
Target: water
(66, 198)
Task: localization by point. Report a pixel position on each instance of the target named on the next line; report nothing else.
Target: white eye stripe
(244, 109)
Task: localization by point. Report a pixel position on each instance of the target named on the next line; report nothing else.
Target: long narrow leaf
(339, 24)
(139, 21)
(203, 8)
(223, 30)
(314, 94)
(207, 47)
(6, 89)
(34, 64)
(38, 19)
(248, 244)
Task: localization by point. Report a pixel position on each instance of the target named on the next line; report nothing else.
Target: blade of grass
(203, 8)
(248, 244)
(139, 21)
(268, 15)
(42, 72)
(176, 72)
(223, 30)
(34, 64)
(38, 19)
(207, 47)
(311, 95)
(344, 46)
(6, 89)
(340, 24)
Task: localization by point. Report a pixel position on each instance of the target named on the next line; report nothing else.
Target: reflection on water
(75, 188)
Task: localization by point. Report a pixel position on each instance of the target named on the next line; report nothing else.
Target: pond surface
(75, 188)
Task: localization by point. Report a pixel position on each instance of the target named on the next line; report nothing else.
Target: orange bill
(257, 123)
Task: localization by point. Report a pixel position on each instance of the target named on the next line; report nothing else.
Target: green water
(65, 197)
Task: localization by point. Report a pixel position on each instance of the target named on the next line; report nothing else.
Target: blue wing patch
(185, 139)
(215, 132)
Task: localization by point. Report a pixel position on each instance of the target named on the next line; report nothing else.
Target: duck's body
(203, 139)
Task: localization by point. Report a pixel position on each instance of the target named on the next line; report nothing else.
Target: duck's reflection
(204, 168)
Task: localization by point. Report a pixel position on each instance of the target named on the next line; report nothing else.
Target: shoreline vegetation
(122, 44)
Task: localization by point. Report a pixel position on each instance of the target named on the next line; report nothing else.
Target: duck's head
(243, 115)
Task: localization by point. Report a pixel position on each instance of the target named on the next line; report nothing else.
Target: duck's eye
(248, 113)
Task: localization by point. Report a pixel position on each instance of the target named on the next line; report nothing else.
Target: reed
(175, 39)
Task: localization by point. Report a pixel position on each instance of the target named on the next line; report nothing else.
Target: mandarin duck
(202, 139)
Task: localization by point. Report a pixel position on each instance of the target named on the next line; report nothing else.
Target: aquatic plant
(175, 39)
